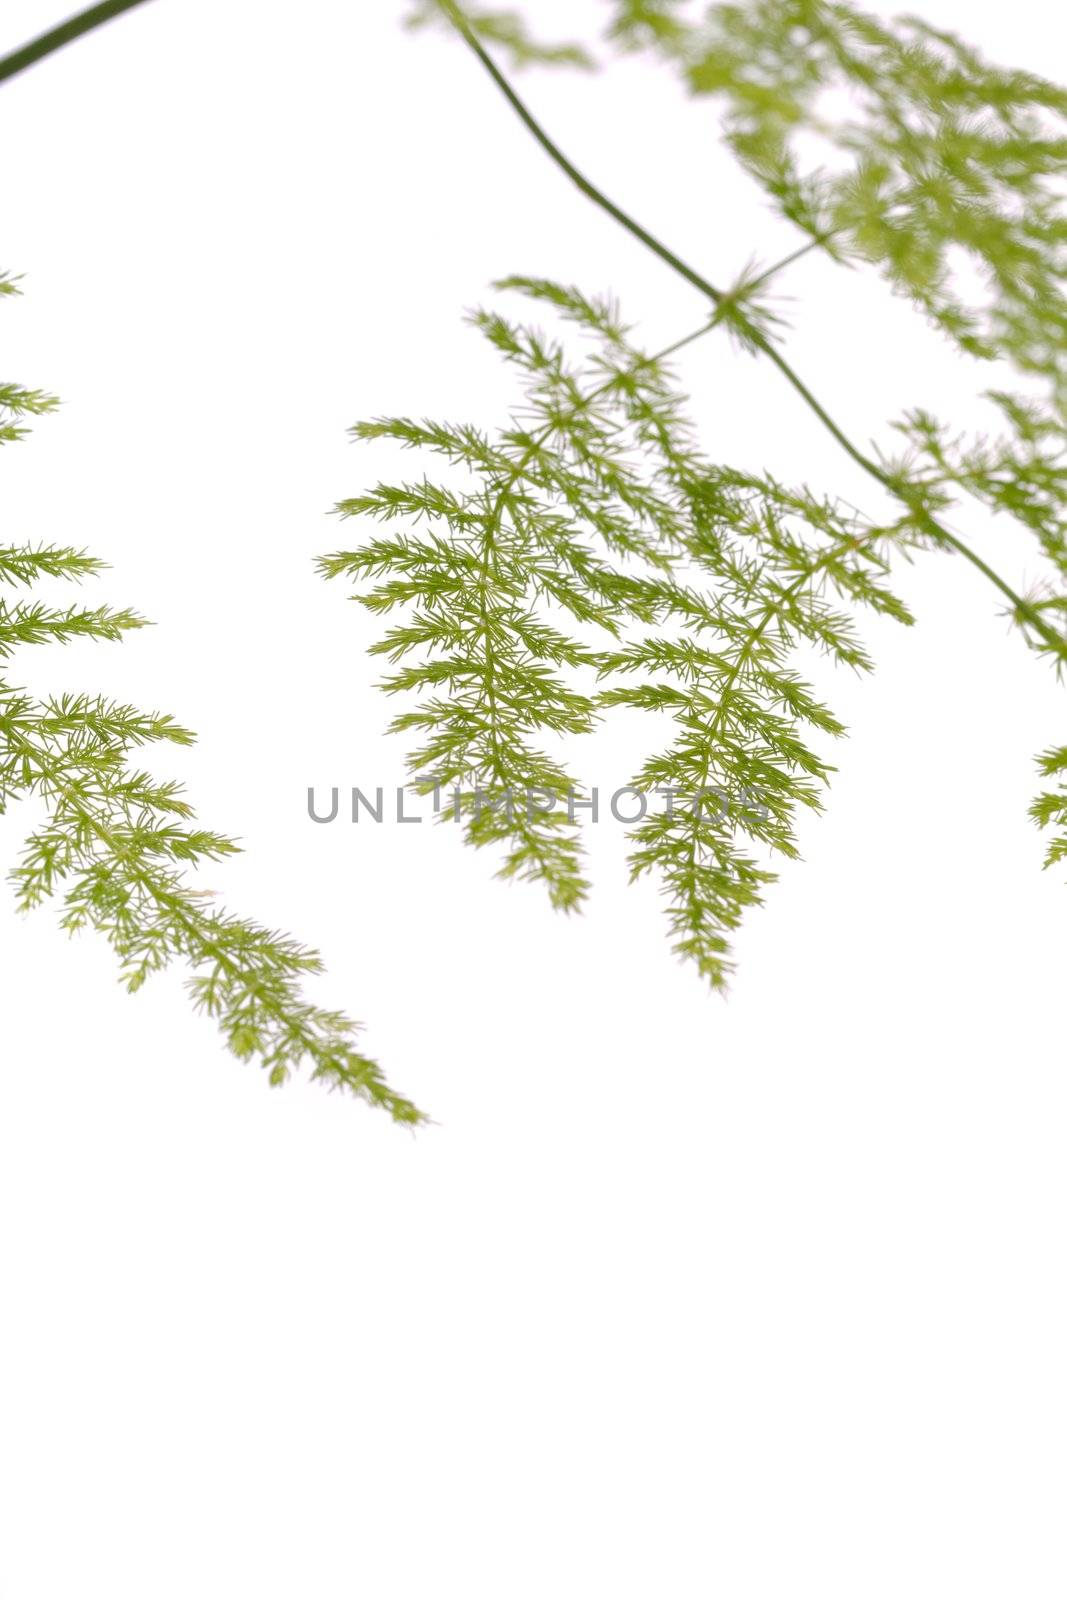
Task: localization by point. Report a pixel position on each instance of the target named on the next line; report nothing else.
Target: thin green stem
(943, 534)
(46, 43)
(786, 261)
(718, 297)
(578, 178)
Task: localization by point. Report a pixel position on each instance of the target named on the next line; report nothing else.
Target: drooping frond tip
(117, 845)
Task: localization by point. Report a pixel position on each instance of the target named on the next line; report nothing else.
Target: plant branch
(356, 1072)
(787, 261)
(718, 297)
(47, 43)
(578, 178)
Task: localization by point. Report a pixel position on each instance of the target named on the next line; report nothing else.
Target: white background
(680, 1297)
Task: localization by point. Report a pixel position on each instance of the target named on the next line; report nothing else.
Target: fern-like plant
(587, 556)
(590, 557)
(595, 508)
(117, 845)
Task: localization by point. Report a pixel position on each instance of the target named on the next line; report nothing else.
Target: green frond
(118, 845)
(529, 587)
(40, 624)
(26, 402)
(23, 564)
(945, 168)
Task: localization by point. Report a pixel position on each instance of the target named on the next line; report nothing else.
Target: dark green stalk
(46, 43)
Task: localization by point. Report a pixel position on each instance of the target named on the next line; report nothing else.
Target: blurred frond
(506, 29)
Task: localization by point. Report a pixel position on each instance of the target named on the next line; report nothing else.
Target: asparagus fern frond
(528, 582)
(117, 845)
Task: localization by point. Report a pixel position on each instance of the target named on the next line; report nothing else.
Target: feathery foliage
(499, 577)
(947, 173)
(1020, 473)
(896, 143)
(117, 844)
(591, 515)
(745, 719)
(527, 595)
(594, 500)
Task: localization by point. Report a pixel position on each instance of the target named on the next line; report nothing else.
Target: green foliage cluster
(587, 559)
(511, 570)
(898, 144)
(116, 844)
(1021, 474)
(595, 559)
(592, 512)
